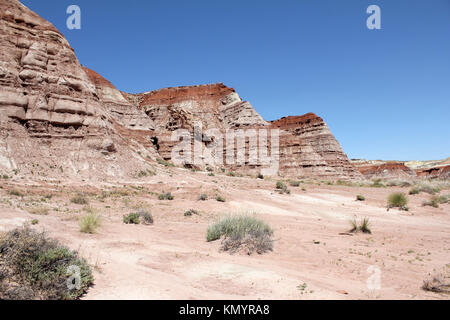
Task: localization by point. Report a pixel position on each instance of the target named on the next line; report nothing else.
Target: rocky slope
(378, 169)
(67, 118)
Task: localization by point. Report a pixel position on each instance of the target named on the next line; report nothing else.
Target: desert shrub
(140, 216)
(439, 282)
(165, 196)
(190, 212)
(41, 211)
(220, 199)
(360, 198)
(363, 226)
(132, 218)
(209, 169)
(294, 183)
(34, 221)
(424, 187)
(37, 267)
(145, 216)
(398, 183)
(211, 174)
(398, 200)
(437, 200)
(231, 174)
(241, 231)
(203, 197)
(15, 192)
(282, 188)
(377, 183)
(164, 163)
(80, 199)
(89, 222)
(260, 176)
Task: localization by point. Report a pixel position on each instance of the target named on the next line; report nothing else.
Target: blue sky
(385, 94)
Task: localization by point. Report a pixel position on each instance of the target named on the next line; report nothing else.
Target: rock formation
(384, 170)
(58, 114)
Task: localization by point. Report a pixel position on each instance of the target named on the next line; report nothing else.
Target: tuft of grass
(15, 192)
(34, 222)
(282, 188)
(165, 196)
(437, 200)
(220, 199)
(190, 212)
(132, 218)
(294, 183)
(397, 200)
(140, 216)
(80, 199)
(363, 226)
(90, 222)
(360, 198)
(439, 282)
(36, 267)
(377, 183)
(424, 187)
(41, 211)
(203, 197)
(241, 231)
(165, 163)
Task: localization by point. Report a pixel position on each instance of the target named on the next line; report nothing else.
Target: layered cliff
(51, 115)
(58, 114)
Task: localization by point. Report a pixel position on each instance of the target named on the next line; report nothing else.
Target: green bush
(36, 267)
(90, 222)
(282, 188)
(220, 199)
(165, 196)
(34, 221)
(132, 218)
(241, 231)
(398, 200)
(140, 216)
(360, 198)
(203, 197)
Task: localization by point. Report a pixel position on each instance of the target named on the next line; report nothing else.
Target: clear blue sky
(384, 93)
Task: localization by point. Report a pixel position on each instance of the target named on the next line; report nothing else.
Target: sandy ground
(314, 257)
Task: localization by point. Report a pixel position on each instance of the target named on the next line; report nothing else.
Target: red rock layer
(442, 172)
(386, 170)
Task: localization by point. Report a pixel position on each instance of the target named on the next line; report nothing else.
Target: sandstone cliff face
(309, 149)
(50, 111)
(58, 114)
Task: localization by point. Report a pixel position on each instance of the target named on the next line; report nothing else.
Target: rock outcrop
(384, 170)
(60, 115)
(51, 113)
